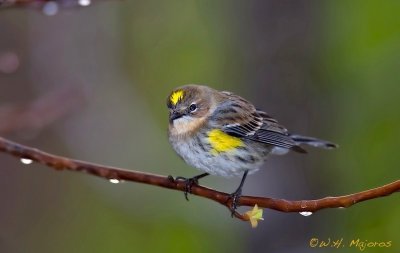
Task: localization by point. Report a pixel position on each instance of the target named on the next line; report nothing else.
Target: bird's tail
(311, 141)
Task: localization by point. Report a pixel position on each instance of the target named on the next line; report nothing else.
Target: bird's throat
(185, 126)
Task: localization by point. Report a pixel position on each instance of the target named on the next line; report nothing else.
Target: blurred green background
(323, 68)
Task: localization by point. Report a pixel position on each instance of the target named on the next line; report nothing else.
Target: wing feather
(241, 119)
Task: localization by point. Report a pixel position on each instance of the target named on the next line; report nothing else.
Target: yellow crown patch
(176, 96)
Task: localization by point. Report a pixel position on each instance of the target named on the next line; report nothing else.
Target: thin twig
(63, 163)
(38, 4)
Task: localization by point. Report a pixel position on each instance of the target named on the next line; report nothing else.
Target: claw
(235, 196)
(171, 178)
(189, 182)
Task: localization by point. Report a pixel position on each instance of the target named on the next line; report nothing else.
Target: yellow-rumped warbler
(223, 134)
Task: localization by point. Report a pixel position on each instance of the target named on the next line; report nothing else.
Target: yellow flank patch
(176, 96)
(222, 142)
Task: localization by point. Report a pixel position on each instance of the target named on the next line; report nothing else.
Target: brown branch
(62, 163)
(38, 4)
(29, 3)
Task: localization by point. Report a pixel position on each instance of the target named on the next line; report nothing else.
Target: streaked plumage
(223, 134)
(239, 120)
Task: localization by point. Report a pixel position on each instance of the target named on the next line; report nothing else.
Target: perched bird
(223, 134)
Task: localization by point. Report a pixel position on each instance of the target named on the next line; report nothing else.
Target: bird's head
(189, 106)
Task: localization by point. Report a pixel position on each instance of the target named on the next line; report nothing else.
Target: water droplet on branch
(305, 213)
(114, 180)
(26, 161)
(84, 2)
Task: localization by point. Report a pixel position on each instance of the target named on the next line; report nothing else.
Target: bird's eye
(192, 107)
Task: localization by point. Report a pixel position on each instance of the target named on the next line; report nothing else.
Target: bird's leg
(235, 196)
(189, 182)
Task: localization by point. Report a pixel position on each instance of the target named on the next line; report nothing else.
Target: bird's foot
(189, 182)
(234, 197)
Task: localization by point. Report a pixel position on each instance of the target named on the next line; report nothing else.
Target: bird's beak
(175, 115)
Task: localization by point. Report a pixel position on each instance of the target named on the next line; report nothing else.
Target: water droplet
(305, 213)
(50, 8)
(114, 180)
(26, 161)
(84, 2)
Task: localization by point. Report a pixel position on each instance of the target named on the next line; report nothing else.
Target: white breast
(200, 157)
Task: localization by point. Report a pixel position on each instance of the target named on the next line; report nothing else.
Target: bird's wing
(240, 118)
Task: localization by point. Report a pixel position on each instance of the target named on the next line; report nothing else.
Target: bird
(223, 134)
